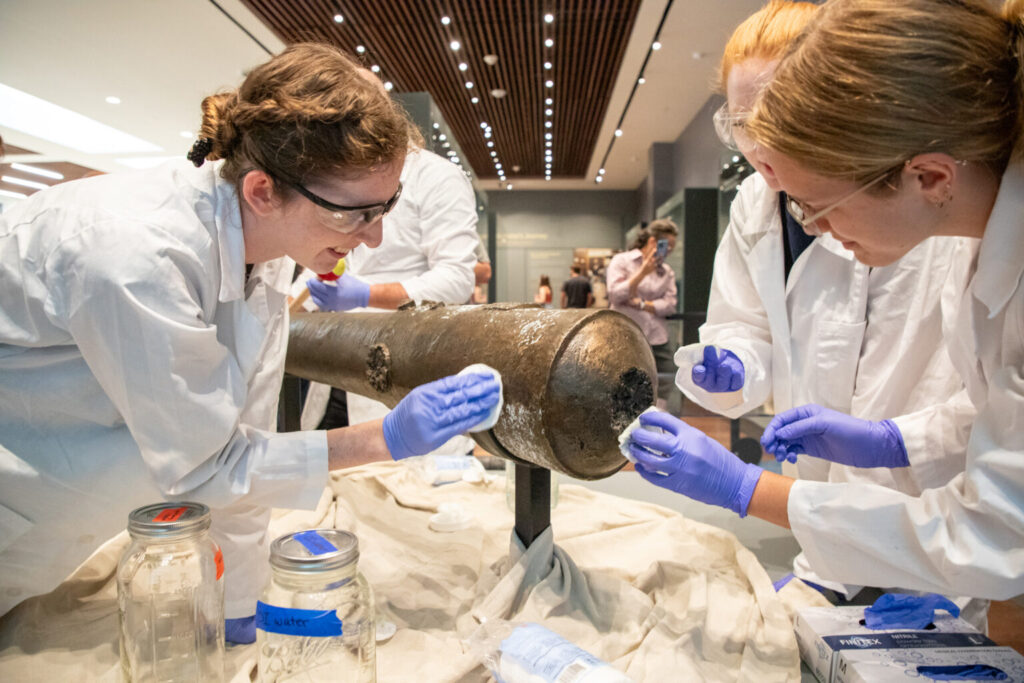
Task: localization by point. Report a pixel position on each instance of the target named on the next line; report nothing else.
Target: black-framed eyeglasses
(349, 218)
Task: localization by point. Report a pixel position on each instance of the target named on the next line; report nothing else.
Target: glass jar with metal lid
(315, 618)
(170, 596)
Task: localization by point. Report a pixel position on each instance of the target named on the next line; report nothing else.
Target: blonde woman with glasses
(794, 318)
(887, 123)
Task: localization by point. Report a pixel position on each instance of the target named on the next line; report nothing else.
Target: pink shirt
(658, 289)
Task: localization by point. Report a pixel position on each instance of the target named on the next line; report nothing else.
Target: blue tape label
(315, 543)
(298, 622)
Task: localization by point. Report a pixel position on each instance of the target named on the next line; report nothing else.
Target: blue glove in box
(825, 634)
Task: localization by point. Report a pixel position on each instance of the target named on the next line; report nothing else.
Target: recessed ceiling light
(549, 84)
(375, 69)
(14, 180)
(547, 65)
(598, 179)
(463, 66)
(42, 119)
(549, 101)
(498, 92)
(469, 85)
(548, 112)
(44, 172)
(547, 124)
(547, 136)
(15, 195)
(338, 18)
(494, 154)
(548, 143)
(641, 80)
(454, 45)
(490, 143)
(446, 20)
(389, 86)
(483, 124)
(549, 18)
(360, 49)
(618, 132)
(113, 99)
(442, 137)
(656, 45)
(547, 177)
(550, 42)
(600, 171)
(475, 100)
(437, 126)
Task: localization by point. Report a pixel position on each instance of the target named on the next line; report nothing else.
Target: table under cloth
(660, 597)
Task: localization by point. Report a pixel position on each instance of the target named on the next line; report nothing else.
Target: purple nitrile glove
(721, 371)
(693, 464)
(899, 610)
(241, 631)
(834, 436)
(435, 412)
(345, 293)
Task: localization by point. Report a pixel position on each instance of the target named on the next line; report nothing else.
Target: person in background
(428, 253)
(576, 291)
(924, 139)
(543, 295)
(794, 318)
(481, 274)
(143, 328)
(643, 287)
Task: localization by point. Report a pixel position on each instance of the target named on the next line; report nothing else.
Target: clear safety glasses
(808, 220)
(349, 219)
(731, 129)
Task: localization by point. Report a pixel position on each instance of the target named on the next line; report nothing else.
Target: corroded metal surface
(573, 379)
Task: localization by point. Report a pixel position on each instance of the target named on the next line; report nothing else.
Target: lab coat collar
(834, 246)
(227, 218)
(1001, 255)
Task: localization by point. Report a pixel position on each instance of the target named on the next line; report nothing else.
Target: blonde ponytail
(871, 83)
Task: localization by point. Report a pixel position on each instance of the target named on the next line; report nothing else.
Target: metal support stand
(289, 412)
(533, 501)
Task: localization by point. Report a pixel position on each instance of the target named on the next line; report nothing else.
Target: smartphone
(662, 251)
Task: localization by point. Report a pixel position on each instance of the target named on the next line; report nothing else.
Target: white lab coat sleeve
(138, 317)
(736, 321)
(936, 439)
(447, 223)
(966, 538)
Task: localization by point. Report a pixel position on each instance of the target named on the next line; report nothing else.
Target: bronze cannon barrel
(573, 379)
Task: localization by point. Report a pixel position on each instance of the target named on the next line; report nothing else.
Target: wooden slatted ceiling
(408, 41)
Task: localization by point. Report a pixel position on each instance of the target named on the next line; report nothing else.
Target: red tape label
(170, 515)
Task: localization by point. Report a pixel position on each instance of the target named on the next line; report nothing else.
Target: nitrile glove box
(823, 633)
(873, 666)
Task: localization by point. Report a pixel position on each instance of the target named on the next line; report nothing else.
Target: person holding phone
(643, 287)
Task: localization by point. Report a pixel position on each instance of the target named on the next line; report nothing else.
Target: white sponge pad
(633, 426)
(492, 417)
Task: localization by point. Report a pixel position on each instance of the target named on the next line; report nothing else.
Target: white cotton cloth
(492, 417)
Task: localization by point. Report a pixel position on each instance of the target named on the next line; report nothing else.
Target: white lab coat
(966, 537)
(136, 364)
(859, 340)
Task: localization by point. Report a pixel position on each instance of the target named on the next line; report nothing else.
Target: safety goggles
(808, 221)
(348, 219)
(731, 129)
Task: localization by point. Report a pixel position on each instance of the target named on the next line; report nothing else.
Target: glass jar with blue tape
(315, 619)
(170, 596)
